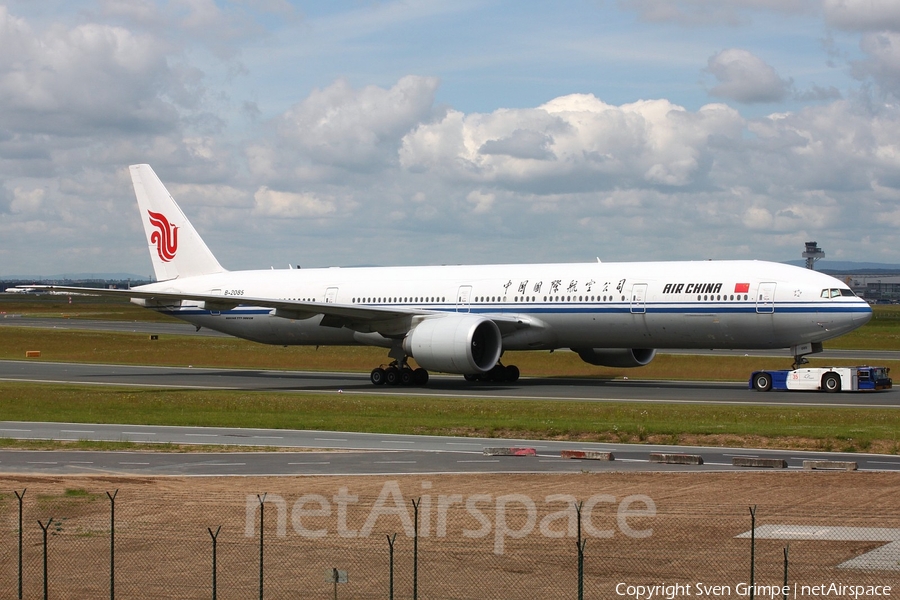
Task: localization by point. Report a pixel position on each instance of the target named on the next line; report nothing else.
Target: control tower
(812, 254)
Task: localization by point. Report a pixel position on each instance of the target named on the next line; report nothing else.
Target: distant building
(874, 287)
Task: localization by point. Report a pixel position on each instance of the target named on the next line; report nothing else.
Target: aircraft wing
(366, 319)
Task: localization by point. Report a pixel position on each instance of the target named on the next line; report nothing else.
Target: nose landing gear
(800, 351)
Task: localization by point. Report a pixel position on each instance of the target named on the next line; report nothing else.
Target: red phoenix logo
(165, 237)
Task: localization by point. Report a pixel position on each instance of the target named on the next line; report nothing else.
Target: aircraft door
(639, 298)
(331, 295)
(463, 298)
(215, 292)
(765, 297)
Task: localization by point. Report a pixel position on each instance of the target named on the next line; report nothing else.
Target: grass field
(858, 429)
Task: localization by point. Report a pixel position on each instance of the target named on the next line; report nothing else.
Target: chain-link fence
(92, 544)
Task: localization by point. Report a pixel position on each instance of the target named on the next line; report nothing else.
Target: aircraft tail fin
(176, 248)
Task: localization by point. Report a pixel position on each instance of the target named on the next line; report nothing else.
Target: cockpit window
(837, 292)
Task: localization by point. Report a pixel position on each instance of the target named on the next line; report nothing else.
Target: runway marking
(463, 444)
(329, 440)
(136, 433)
(268, 437)
(395, 462)
(81, 462)
(134, 463)
(74, 431)
(201, 435)
(393, 442)
(321, 462)
(223, 464)
(479, 461)
(41, 462)
(17, 430)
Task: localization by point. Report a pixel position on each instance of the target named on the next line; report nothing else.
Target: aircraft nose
(863, 316)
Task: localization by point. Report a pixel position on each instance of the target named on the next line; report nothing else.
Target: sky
(426, 132)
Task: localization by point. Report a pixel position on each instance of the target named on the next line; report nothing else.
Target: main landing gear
(399, 374)
(500, 374)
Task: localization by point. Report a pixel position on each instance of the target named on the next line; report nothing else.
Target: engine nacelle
(456, 343)
(616, 357)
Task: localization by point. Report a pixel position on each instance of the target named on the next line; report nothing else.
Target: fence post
(20, 496)
(262, 525)
(580, 544)
(214, 537)
(416, 504)
(390, 540)
(112, 543)
(752, 550)
(784, 589)
(44, 528)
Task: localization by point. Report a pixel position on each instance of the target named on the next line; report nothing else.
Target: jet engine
(457, 343)
(616, 357)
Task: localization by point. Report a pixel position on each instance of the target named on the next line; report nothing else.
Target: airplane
(461, 319)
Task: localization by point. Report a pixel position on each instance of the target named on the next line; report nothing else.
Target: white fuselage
(708, 304)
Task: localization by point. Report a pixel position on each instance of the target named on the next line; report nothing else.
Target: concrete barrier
(771, 463)
(676, 459)
(587, 455)
(510, 452)
(32, 354)
(832, 465)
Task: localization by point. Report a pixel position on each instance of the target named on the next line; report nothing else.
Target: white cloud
(272, 203)
(883, 62)
(482, 201)
(341, 128)
(571, 142)
(27, 201)
(545, 159)
(746, 78)
(76, 80)
(863, 15)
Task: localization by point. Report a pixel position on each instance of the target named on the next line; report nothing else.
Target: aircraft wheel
(512, 373)
(406, 377)
(392, 376)
(472, 377)
(498, 373)
(831, 382)
(420, 376)
(762, 382)
(377, 377)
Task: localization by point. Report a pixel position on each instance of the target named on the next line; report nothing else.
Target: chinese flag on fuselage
(741, 288)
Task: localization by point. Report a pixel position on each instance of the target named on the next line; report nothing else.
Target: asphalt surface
(546, 389)
(344, 453)
(372, 453)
